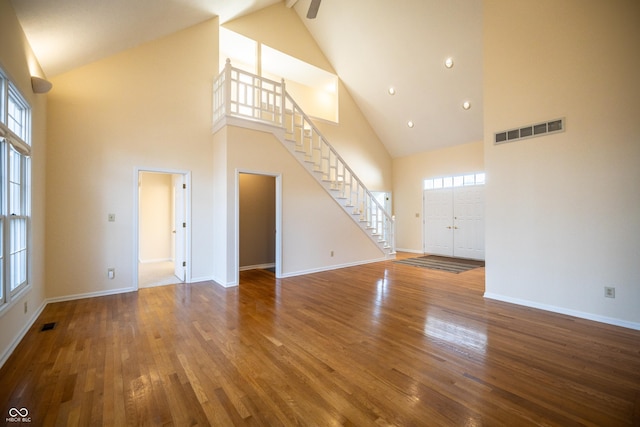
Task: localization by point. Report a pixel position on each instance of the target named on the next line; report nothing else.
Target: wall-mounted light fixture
(466, 105)
(40, 85)
(410, 124)
(448, 62)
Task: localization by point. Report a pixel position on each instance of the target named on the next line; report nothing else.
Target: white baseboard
(91, 295)
(149, 261)
(567, 311)
(201, 279)
(9, 351)
(332, 267)
(411, 251)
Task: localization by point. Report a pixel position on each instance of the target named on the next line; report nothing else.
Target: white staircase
(253, 99)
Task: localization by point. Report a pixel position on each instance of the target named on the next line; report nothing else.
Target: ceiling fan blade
(313, 9)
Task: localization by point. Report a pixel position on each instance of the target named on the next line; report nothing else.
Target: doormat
(451, 265)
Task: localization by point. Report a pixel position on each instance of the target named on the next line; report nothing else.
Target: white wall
(313, 224)
(149, 108)
(18, 61)
(409, 173)
(563, 211)
(281, 28)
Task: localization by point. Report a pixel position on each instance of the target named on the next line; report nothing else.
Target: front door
(454, 221)
(468, 221)
(438, 222)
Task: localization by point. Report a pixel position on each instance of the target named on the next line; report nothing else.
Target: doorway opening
(162, 207)
(258, 222)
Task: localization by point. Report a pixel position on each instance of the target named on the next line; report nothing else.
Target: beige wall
(563, 211)
(313, 224)
(18, 62)
(155, 226)
(280, 28)
(409, 174)
(257, 219)
(148, 108)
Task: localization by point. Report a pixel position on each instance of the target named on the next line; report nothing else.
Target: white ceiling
(372, 44)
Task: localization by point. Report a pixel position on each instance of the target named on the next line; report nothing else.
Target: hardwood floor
(379, 344)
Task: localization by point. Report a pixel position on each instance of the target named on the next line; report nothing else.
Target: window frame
(15, 193)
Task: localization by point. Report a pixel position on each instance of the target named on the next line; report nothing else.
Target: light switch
(112, 217)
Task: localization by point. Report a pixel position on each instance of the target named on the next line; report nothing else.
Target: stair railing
(238, 93)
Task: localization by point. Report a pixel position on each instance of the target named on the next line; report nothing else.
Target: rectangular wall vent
(530, 131)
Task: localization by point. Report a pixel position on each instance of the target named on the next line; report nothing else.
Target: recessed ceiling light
(410, 124)
(392, 91)
(448, 62)
(466, 105)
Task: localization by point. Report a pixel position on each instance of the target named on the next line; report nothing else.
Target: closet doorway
(454, 216)
(259, 219)
(162, 228)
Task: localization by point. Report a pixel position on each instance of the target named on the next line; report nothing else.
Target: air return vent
(48, 326)
(530, 131)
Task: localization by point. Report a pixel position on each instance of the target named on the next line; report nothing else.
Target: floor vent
(48, 326)
(530, 131)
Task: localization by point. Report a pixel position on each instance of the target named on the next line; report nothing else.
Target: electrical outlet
(609, 292)
(331, 253)
(26, 307)
(111, 273)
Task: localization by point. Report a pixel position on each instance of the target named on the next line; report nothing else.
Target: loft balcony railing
(240, 94)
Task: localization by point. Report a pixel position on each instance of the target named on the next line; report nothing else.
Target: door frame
(450, 183)
(278, 178)
(136, 215)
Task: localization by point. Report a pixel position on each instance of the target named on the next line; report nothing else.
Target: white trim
(202, 279)
(23, 332)
(36, 314)
(236, 261)
(151, 261)
(91, 295)
(334, 267)
(136, 214)
(411, 251)
(12, 300)
(566, 311)
(242, 122)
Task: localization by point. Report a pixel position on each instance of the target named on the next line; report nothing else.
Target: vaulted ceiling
(372, 44)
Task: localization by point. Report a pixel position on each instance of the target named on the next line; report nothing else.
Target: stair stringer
(329, 187)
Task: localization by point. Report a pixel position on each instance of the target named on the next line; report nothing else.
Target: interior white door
(179, 227)
(438, 222)
(468, 221)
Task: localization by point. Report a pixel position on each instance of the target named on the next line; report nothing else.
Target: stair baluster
(240, 94)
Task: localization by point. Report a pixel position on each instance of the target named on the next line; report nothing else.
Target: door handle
(449, 227)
